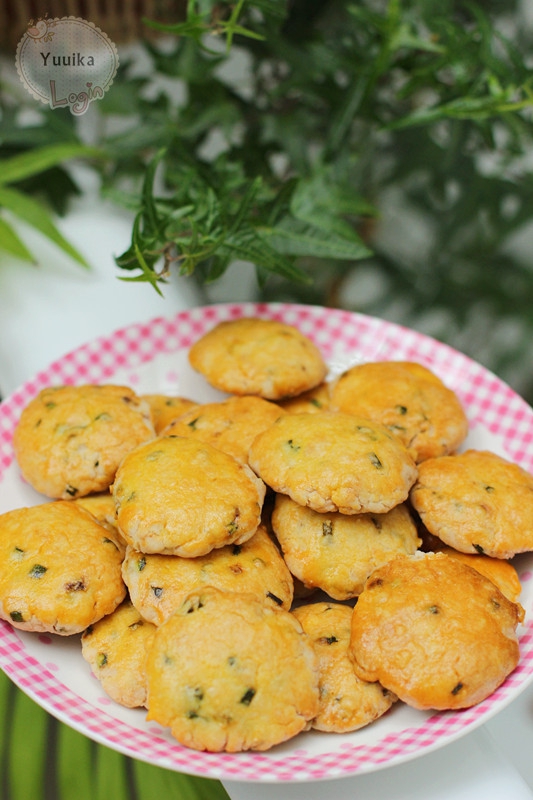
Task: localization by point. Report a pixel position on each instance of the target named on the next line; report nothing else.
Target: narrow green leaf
(250, 246)
(32, 162)
(7, 692)
(74, 764)
(12, 243)
(34, 213)
(110, 776)
(153, 782)
(297, 238)
(28, 738)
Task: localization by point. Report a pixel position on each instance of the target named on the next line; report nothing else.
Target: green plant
(369, 154)
(381, 139)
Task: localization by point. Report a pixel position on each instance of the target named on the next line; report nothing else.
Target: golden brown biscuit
(70, 439)
(337, 552)
(165, 408)
(334, 462)
(258, 356)
(347, 702)
(476, 502)
(101, 506)
(62, 570)
(178, 496)
(230, 425)
(434, 631)
(409, 399)
(228, 672)
(311, 402)
(116, 648)
(498, 570)
(158, 584)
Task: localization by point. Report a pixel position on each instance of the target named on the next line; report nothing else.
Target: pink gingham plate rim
(490, 403)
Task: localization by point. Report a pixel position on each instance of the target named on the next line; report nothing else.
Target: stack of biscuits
(304, 553)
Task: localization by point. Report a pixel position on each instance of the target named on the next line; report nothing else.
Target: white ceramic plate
(153, 358)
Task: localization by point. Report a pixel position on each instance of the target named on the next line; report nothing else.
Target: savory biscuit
(498, 570)
(70, 439)
(334, 462)
(231, 425)
(347, 702)
(101, 506)
(312, 401)
(409, 399)
(116, 647)
(258, 356)
(476, 502)
(165, 408)
(179, 496)
(337, 552)
(61, 569)
(158, 584)
(228, 672)
(434, 631)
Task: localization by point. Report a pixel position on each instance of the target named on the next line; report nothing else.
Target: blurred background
(373, 155)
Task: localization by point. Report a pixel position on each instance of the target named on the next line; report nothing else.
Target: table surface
(48, 310)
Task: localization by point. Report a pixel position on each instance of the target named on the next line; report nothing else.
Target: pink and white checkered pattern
(353, 337)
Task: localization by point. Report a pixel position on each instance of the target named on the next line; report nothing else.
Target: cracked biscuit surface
(226, 672)
(434, 631)
(165, 408)
(158, 584)
(409, 399)
(476, 502)
(337, 552)
(61, 569)
(70, 439)
(116, 647)
(334, 462)
(258, 357)
(347, 702)
(182, 497)
(231, 425)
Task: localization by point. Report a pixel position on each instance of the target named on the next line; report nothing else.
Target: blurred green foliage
(369, 154)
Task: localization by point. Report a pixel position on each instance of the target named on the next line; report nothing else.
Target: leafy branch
(24, 207)
(297, 181)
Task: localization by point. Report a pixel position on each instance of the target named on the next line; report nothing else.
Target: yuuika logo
(66, 62)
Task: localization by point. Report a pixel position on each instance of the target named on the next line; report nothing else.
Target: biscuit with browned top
(258, 356)
(334, 462)
(409, 399)
(158, 584)
(311, 402)
(179, 496)
(61, 569)
(227, 672)
(116, 647)
(231, 425)
(70, 440)
(165, 408)
(347, 702)
(337, 552)
(476, 502)
(501, 572)
(434, 631)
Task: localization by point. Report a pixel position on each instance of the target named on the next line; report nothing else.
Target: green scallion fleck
(374, 460)
(37, 571)
(247, 697)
